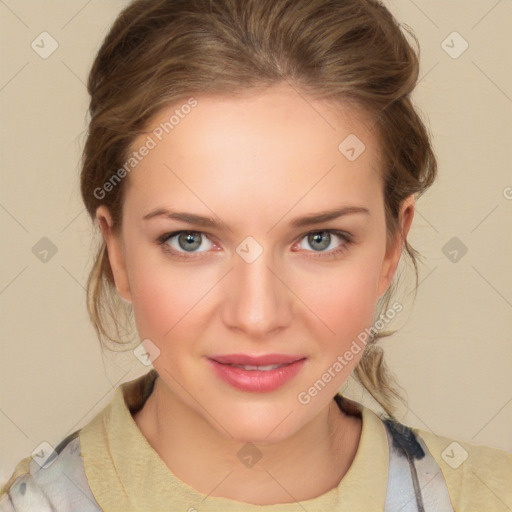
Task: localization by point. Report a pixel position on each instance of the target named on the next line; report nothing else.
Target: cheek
(344, 299)
(168, 297)
(345, 302)
(159, 292)
(160, 302)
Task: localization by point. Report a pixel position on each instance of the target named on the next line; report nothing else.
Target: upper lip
(263, 360)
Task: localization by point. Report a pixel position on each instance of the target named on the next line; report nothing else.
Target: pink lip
(257, 360)
(256, 380)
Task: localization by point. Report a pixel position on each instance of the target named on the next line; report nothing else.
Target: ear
(115, 253)
(394, 250)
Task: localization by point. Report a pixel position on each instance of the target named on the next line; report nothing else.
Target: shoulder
(478, 477)
(57, 483)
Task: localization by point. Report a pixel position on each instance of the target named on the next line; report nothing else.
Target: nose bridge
(257, 301)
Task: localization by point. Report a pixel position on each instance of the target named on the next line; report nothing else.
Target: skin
(256, 162)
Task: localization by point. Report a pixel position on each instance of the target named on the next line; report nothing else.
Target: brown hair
(160, 52)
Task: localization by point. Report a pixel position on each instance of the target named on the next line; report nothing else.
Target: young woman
(253, 167)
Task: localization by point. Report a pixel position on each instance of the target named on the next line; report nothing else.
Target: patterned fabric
(58, 486)
(415, 480)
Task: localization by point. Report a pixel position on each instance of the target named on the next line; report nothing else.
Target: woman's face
(255, 279)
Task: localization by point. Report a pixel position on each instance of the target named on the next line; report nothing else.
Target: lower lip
(256, 380)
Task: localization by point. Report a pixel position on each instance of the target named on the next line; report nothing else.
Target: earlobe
(394, 251)
(115, 253)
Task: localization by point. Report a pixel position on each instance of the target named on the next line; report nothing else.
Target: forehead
(267, 147)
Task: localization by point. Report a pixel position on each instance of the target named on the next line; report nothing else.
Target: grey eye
(189, 241)
(319, 240)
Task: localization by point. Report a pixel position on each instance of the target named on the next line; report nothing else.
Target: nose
(257, 301)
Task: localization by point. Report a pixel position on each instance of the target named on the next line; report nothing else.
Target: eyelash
(333, 253)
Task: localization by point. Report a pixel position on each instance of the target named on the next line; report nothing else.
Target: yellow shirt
(126, 474)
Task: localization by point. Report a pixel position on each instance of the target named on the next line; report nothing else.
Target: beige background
(453, 353)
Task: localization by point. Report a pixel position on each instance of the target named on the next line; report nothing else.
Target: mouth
(256, 373)
(260, 361)
(266, 368)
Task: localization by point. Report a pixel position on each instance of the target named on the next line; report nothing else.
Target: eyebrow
(210, 222)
